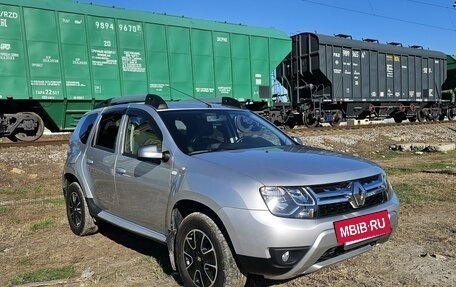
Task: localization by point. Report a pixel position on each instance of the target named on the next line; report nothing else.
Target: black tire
(203, 256)
(79, 218)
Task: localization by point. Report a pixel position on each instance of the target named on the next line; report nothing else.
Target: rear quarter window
(85, 127)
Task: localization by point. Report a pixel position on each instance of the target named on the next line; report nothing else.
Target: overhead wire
(431, 4)
(380, 16)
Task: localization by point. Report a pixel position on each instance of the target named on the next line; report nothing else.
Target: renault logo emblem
(357, 196)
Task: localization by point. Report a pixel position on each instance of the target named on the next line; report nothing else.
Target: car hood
(292, 165)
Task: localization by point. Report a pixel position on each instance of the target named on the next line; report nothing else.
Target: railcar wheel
(203, 255)
(29, 132)
(412, 119)
(310, 120)
(337, 118)
(398, 118)
(451, 114)
(420, 116)
(291, 122)
(79, 218)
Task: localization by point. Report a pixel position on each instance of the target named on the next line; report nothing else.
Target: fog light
(306, 213)
(286, 256)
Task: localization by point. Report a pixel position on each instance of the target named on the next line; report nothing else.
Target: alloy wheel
(200, 258)
(74, 206)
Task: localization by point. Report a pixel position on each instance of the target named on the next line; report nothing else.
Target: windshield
(197, 131)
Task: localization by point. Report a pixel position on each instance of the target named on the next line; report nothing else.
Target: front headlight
(388, 187)
(293, 202)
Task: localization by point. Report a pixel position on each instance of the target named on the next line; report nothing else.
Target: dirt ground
(36, 243)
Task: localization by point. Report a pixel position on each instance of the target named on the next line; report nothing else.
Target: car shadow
(159, 251)
(141, 245)
(259, 281)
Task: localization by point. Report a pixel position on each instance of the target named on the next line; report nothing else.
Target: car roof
(159, 104)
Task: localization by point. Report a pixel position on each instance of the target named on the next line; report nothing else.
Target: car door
(142, 186)
(100, 160)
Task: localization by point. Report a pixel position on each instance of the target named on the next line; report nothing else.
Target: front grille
(337, 251)
(331, 253)
(333, 199)
(345, 207)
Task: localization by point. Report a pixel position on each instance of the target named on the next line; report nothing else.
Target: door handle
(89, 161)
(121, 171)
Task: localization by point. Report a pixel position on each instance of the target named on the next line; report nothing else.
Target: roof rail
(150, 99)
(232, 102)
(224, 101)
(155, 101)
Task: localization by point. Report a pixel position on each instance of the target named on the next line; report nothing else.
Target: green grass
(43, 275)
(399, 170)
(25, 261)
(407, 193)
(155, 266)
(419, 169)
(149, 259)
(4, 210)
(57, 201)
(387, 155)
(42, 224)
(427, 163)
(23, 191)
(417, 193)
(437, 165)
(10, 191)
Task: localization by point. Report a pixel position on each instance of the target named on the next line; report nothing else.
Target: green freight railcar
(58, 58)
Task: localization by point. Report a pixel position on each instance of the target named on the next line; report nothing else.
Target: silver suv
(228, 192)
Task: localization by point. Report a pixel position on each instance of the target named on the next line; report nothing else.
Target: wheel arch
(182, 209)
(67, 179)
(186, 207)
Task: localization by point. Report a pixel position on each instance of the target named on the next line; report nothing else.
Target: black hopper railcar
(334, 78)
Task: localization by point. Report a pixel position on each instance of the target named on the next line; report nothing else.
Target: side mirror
(150, 152)
(297, 140)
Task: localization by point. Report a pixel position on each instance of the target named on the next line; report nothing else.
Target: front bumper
(254, 233)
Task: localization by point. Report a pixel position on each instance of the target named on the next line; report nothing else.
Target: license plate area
(361, 228)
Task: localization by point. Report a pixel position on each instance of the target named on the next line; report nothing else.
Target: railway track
(44, 142)
(59, 140)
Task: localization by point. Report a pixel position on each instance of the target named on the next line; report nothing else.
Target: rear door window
(86, 127)
(108, 128)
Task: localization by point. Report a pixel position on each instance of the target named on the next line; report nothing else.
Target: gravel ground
(374, 140)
